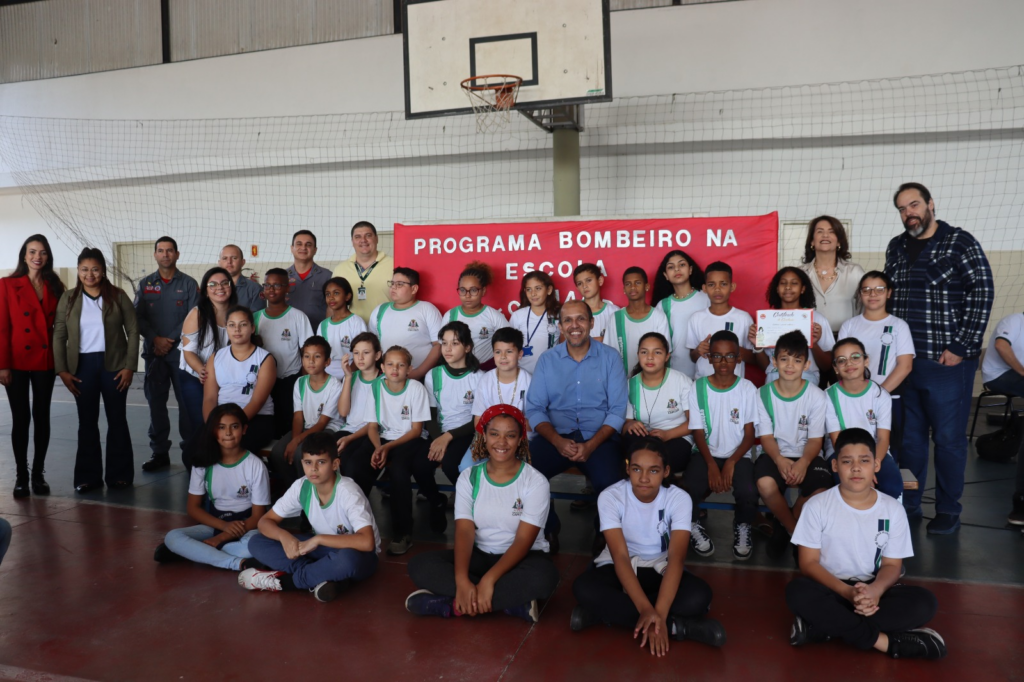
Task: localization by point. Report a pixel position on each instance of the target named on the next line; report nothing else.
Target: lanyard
(529, 339)
(360, 275)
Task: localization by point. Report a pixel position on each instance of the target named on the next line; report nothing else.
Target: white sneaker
(255, 579)
(700, 541)
(742, 543)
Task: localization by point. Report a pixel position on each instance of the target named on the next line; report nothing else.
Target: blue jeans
(161, 376)
(188, 543)
(937, 403)
(604, 467)
(190, 401)
(320, 565)
(96, 383)
(5, 538)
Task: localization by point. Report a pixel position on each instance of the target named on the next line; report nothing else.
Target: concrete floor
(81, 598)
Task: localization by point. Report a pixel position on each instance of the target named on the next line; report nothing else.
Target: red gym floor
(81, 598)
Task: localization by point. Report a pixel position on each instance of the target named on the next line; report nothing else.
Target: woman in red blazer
(28, 306)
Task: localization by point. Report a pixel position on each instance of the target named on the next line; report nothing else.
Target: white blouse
(841, 300)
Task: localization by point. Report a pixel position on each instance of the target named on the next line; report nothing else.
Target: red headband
(502, 409)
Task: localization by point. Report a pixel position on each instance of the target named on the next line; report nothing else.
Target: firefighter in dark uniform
(163, 300)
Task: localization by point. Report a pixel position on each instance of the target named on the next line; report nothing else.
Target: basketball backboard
(560, 48)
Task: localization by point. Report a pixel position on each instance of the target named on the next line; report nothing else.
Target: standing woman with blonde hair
(96, 353)
(28, 306)
(834, 278)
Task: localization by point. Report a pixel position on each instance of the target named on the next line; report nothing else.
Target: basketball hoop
(492, 98)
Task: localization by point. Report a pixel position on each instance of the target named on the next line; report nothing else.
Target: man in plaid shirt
(943, 290)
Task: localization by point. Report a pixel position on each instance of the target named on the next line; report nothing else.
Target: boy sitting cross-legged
(345, 547)
(853, 540)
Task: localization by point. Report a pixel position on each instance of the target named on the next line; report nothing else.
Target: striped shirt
(946, 295)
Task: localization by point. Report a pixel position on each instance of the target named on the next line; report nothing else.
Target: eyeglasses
(472, 291)
(274, 287)
(226, 284)
(728, 357)
(878, 290)
(397, 284)
(842, 359)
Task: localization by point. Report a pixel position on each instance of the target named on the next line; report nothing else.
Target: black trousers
(901, 608)
(599, 591)
(744, 490)
(424, 469)
(535, 577)
(97, 382)
(284, 411)
(24, 410)
(355, 462)
(401, 467)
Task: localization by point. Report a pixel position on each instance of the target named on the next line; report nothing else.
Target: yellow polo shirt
(376, 283)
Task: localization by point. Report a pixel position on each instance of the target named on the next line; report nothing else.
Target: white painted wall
(719, 46)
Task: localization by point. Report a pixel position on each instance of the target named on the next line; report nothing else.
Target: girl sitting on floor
(639, 581)
(500, 561)
(238, 488)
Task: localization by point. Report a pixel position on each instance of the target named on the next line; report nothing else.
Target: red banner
(440, 252)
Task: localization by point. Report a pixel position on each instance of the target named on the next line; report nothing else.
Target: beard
(918, 228)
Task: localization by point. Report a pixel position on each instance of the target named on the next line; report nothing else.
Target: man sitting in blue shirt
(577, 405)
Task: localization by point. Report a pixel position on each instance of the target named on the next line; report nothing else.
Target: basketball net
(492, 98)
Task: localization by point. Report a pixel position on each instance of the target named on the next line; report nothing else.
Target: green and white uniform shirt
(813, 373)
(871, 409)
(347, 511)
(316, 403)
(853, 541)
(394, 413)
(283, 336)
(235, 487)
(647, 526)
(497, 509)
(623, 333)
(791, 421)
(679, 311)
(452, 396)
(703, 324)
(483, 323)
(884, 340)
(361, 403)
(414, 328)
(660, 407)
(340, 335)
(603, 320)
(723, 414)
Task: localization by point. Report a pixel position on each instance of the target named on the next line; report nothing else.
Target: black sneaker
(21, 488)
(581, 619)
(39, 484)
(426, 603)
(1016, 517)
(439, 514)
(329, 590)
(162, 555)
(920, 643)
(778, 542)
(801, 633)
(528, 612)
(156, 462)
(704, 630)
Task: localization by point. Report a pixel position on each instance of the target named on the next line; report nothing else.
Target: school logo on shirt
(468, 398)
(345, 341)
(881, 541)
(414, 326)
(319, 410)
(485, 333)
(342, 530)
(802, 423)
(517, 508)
(250, 379)
(730, 326)
(243, 491)
(734, 415)
(672, 406)
(870, 414)
(286, 334)
(663, 530)
(405, 412)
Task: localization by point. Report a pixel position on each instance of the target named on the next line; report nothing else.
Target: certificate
(771, 324)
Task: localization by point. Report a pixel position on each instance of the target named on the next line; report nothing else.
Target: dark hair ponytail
(465, 336)
(208, 453)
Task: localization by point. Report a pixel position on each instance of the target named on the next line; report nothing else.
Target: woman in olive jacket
(96, 352)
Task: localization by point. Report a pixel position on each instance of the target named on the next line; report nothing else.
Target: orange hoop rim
(510, 82)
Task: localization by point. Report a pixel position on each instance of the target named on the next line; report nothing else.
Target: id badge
(361, 293)
(527, 351)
